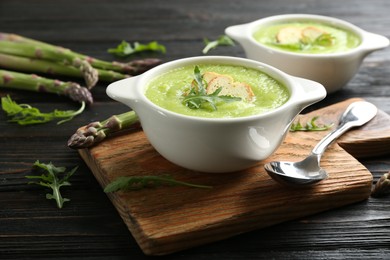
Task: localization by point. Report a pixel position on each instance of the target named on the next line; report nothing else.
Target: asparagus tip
(136, 67)
(382, 187)
(79, 94)
(90, 74)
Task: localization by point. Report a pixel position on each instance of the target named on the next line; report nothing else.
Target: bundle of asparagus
(25, 54)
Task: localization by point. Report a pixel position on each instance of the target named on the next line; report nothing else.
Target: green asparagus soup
(307, 37)
(238, 91)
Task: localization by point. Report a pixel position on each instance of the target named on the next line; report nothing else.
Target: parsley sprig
(140, 182)
(24, 114)
(53, 178)
(309, 126)
(197, 97)
(125, 49)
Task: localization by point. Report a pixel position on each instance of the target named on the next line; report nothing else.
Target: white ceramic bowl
(215, 144)
(331, 70)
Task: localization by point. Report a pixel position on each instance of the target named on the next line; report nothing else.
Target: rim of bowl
(273, 72)
(328, 20)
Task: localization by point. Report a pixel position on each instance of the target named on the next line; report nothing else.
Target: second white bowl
(332, 70)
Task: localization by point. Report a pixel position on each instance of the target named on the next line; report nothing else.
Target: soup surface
(306, 37)
(169, 91)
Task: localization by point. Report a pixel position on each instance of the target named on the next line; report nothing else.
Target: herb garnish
(197, 96)
(324, 39)
(307, 43)
(222, 40)
(140, 182)
(310, 126)
(24, 114)
(125, 48)
(54, 179)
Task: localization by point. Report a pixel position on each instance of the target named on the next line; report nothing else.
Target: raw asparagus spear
(31, 51)
(31, 82)
(132, 68)
(54, 68)
(382, 187)
(95, 132)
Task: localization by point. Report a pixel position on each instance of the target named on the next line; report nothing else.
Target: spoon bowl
(308, 171)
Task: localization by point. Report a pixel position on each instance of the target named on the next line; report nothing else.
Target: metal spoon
(309, 171)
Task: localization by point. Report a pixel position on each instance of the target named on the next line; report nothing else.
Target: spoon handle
(357, 114)
(320, 148)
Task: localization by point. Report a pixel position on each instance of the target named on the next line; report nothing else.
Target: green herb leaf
(53, 178)
(324, 39)
(140, 182)
(310, 126)
(24, 114)
(198, 97)
(222, 40)
(306, 43)
(125, 49)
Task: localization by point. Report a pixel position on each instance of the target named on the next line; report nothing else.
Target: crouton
(230, 87)
(311, 33)
(289, 35)
(209, 76)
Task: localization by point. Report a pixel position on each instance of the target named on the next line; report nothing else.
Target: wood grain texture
(169, 219)
(89, 226)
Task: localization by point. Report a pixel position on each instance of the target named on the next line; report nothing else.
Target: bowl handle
(374, 42)
(312, 91)
(124, 90)
(236, 32)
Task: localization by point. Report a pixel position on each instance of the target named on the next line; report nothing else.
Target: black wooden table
(88, 227)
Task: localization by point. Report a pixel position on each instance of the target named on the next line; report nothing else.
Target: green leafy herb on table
(140, 182)
(310, 126)
(222, 40)
(125, 49)
(24, 114)
(197, 96)
(53, 178)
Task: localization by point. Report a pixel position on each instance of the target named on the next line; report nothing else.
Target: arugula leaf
(125, 48)
(54, 179)
(310, 126)
(222, 40)
(24, 114)
(140, 182)
(324, 39)
(306, 43)
(198, 97)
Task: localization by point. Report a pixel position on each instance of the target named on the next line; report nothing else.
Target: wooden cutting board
(166, 219)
